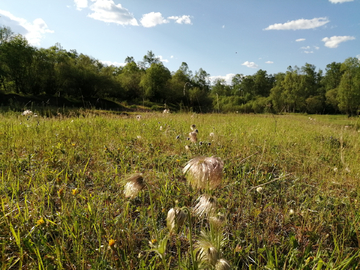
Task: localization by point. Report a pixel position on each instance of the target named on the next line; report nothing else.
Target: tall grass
(289, 196)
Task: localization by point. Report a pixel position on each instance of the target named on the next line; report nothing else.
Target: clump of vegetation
(108, 191)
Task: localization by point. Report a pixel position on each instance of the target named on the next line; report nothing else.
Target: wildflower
(259, 190)
(138, 137)
(27, 113)
(211, 134)
(75, 191)
(40, 221)
(335, 169)
(133, 186)
(187, 148)
(204, 172)
(206, 205)
(153, 241)
(112, 242)
(177, 137)
(291, 212)
(217, 220)
(175, 218)
(208, 253)
(192, 127)
(200, 143)
(166, 111)
(61, 192)
(138, 117)
(161, 128)
(193, 136)
(222, 265)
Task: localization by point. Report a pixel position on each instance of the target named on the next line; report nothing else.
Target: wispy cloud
(110, 63)
(339, 1)
(269, 62)
(108, 11)
(33, 32)
(155, 18)
(250, 64)
(299, 24)
(334, 41)
(300, 39)
(227, 78)
(184, 19)
(162, 59)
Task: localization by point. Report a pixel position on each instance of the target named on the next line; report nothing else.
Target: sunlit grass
(288, 197)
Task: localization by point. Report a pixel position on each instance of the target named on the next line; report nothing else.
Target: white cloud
(227, 78)
(358, 56)
(184, 19)
(269, 62)
(110, 63)
(162, 59)
(334, 41)
(299, 24)
(250, 64)
(80, 4)
(33, 32)
(300, 39)
(305, 48)
(308, 51)
(108, 11)
(152, 19)
(339, 1)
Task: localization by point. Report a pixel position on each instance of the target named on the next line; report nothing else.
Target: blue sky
(222, 37)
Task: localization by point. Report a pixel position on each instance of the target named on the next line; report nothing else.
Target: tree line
(54, 71)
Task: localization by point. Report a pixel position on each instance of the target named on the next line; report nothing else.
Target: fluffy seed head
(27, 113)
(175, 218)
(207, 253)
(204, 172)
(206, 205)
(193, 136)
(133, 186)
(222, 265)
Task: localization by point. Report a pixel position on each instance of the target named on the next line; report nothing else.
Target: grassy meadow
(289, 196)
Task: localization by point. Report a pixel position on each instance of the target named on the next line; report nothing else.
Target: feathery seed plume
(133, 186)
(206, 205)
(222, 265)
(204, 172)
(193, 136)
(175, 218)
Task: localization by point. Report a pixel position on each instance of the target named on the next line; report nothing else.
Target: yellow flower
(40, 222)
(153, 241)
(112, 242)
(75, 191)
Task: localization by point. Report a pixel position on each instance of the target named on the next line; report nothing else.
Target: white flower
(259, 189)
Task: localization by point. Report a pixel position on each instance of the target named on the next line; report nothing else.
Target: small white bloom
(259, 189)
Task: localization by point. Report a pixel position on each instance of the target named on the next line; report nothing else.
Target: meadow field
(96, 190)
